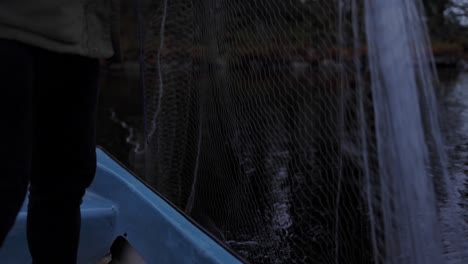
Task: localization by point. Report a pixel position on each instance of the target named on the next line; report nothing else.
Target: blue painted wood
(153, 227)
(117, 203)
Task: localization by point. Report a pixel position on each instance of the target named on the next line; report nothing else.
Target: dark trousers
(47, 132)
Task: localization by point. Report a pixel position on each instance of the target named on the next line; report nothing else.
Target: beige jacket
(84, 27)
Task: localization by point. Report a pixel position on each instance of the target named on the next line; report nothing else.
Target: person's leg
(16, 78)
(64, 157)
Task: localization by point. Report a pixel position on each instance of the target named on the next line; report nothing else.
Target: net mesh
(260, 125)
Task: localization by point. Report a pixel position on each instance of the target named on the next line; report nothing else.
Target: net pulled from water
(301, 131)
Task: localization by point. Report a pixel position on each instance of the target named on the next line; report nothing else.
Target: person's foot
(105, 260)
(123, 253)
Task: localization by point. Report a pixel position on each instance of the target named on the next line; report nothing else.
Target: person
(50, 53)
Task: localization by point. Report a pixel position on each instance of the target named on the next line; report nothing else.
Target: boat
(126, 221)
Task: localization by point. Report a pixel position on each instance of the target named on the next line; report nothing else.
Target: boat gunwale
(181, 212)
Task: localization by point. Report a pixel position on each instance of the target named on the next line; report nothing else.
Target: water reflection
(455, 106)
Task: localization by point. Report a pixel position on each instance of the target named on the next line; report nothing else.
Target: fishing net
(260, 125)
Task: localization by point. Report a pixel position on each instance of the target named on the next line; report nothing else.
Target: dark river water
(120, 125)
(120, 115)
(120, 118)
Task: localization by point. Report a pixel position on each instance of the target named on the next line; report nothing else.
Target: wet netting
(275, 124)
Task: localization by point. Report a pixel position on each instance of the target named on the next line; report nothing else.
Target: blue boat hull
(118, 204)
